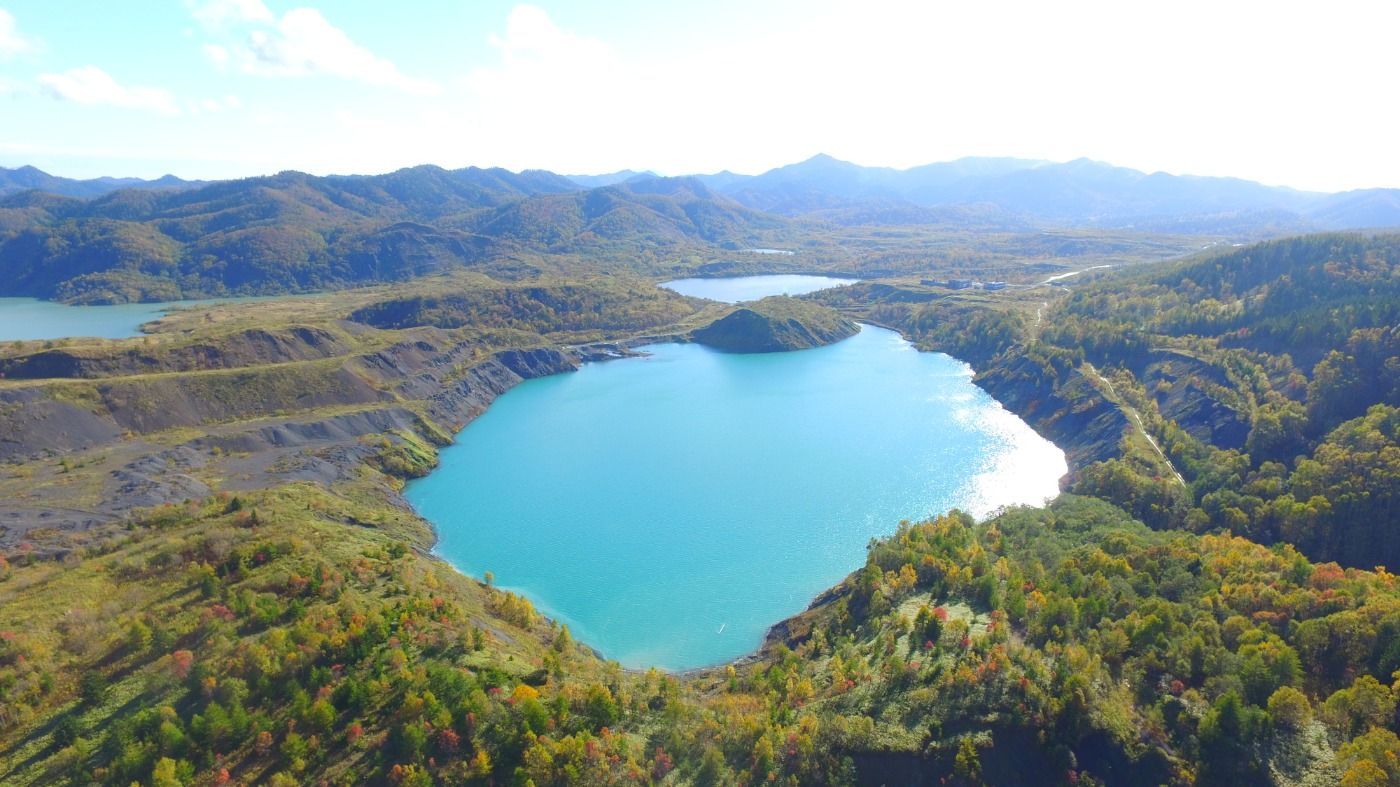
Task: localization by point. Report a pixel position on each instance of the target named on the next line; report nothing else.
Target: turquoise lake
(31, 318)
(671, 508)
(734, 289)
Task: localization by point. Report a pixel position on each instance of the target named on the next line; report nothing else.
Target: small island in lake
(775, 324)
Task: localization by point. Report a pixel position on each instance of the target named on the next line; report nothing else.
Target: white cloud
(540, 61)
(906, 82)
(218, 14)
(300, 43)
(212, 105)
(11, 42)
(91, 85)
(305, 42)
(531, 34)
(218, 55)
(545, 74)
(884, 82)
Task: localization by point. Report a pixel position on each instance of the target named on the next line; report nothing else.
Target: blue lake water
(671, 508)
(31, 318)
(734, 289)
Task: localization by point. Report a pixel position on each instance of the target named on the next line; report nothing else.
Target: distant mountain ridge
(26, 178)
(121, 239)
(611, 178)
(676, 209)
(1005, 193)
(1079, 193)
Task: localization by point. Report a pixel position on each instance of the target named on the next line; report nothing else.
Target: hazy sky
(1289, 93)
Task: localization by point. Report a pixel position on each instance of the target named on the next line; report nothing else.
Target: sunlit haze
(1279, 92)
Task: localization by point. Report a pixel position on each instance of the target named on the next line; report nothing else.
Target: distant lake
(750, 288)
(671, 508)
(31, 318)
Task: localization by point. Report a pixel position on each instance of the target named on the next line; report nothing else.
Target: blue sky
(1284, 92)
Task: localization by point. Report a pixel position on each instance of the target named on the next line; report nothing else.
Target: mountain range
(1076, 193)
(120, 239)
(298, 232)
(26, 178)
(1004, 191)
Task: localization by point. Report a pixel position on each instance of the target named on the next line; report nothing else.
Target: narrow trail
(1137, 419)
(1060, 276)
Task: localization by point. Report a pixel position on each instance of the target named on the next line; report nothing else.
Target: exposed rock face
(41, 420)
(31, 423)
(155, 479)
(470, 394)
(149, 405)
(775, 324)
(17, 522)
(1071, 412)
(539, 362)
(254, 435)
(1068, 410)
(298, 434)
(248, 348)
(1192, 392)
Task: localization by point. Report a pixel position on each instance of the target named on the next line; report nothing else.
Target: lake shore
(480, 482)
(341, 448)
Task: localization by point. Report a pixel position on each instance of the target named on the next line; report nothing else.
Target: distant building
(961, 284)
(995, 285)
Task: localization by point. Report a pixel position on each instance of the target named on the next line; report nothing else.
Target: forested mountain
(1268, 377)
(1001, 192)
(1360, 208)
(1299, 341)
(117, 240)
(25, 178)
(297, 232)
(650, 209)
(823, 182)
(1080, 192)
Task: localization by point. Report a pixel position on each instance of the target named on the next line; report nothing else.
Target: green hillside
(293, 232)
(228, 587)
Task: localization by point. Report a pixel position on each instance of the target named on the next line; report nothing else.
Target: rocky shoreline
(430, 386)
(423, 387)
